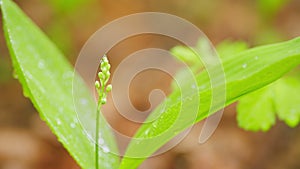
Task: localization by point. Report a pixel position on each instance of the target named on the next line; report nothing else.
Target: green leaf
(47, 79)
(256, 111)
(287, 100)
(246, 72)
(228, 49)
(189, 56)
(185, 54)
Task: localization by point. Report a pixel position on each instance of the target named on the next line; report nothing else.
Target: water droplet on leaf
(41, 65)
(15, 75)
(83, 101)
(72, 125)
(58, 122)
(154, 125)
(101, 141)
(105, 149)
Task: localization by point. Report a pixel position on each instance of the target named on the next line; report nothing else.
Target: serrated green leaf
(287, 100)
(256, 111)
(47, 79)
(193, 56)
(228, 49)
(247, 72)
(185, 54)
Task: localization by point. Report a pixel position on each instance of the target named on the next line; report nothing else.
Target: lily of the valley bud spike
(102, 89)
(101, 86)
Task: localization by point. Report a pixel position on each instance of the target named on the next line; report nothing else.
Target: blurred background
(27, 143)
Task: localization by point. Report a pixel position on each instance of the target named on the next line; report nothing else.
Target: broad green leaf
(256, 110)
(47, 79)
(246, 72)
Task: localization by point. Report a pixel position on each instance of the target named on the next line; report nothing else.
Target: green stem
(97, 135)
(100, 92)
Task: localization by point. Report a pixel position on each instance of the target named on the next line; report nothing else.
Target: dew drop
(105, 149)
(256, 57)
(41, 65)
(83, 101)
(147, 132)
(101, 141)
(26, 92)
(193, 86)
(75, 120)
(202, 87)
(72, 125)
(58, 122)
(154, 125)
(15, 75)
(244, 65)
(29, 75)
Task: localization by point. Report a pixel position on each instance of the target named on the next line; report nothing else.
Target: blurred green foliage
(268, 9)
(67, 18)
(59, 33)
(67, 6)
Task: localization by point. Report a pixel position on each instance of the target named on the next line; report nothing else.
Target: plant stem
(97, 135)
(101, 91)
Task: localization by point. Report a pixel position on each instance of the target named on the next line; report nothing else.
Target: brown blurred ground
(26, 142)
